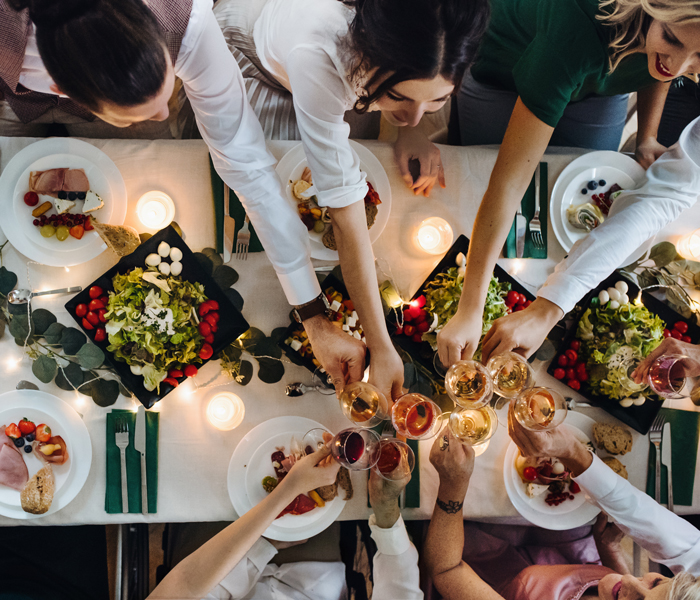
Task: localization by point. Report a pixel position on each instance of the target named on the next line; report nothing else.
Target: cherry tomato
(530, 473)
(681, 326)
(580, 370)
(575, 345)
(26, 426)
(31, 199)
(101, 314)
(95, 305)
(582, 376)
(203, 309)
(423, 326)
(215, 315)
(559, 373)
(87, 325)
(12, 431)
(512, 298)
(571, 373)
(422, 316)
(171, 381)
(210, 318)
(420, 301)
(666, 333)
(407, 316)
(677, 334)
(519, 307)
(417, 338)
(95, 292)
(104, 300)
(522, 299)
(409, 330)
(43, 432)
(527, 303)
(81, 310)
(206, 352)
(398, 331)
(571, 355)
(190, 371)
(100, 334)
(574, 384)
(574, 487)
(209, 339)
(175, 373)
(214, 328)
(204, 328)
(213, 305)
(686, 338)
(93, 318)
(562, 361)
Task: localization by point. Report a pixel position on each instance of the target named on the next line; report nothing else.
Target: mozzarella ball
(175, 254)
(558, 468)
(461, 260)
(624, 299)
(461, 271)
(153, 260)
(614, 304)
(639, 400)
(614, 294)
(626, 402)
(164, 268)
(164, 249)
(621, 287)
(604, 297)
(136, 369)
(176, 268)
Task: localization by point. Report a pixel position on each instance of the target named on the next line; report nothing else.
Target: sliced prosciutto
(300, 505)
(75, 180)
(52, 181)
(13, 471)
(57, 456)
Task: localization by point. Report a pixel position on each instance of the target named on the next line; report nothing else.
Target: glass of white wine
(540, 408)
(364, 404)
(474, 426)
(469, 384)
(511, 374)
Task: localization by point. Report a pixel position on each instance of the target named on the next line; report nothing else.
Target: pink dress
(554, 582)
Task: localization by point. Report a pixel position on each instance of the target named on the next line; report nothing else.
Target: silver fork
(655, 438)
(121, 435)
(243, 241)
(535, 224)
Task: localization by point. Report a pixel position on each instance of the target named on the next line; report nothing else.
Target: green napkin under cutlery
(236, 211)
(685, 433)
(113, 494)
(412, 494)
(528, 207)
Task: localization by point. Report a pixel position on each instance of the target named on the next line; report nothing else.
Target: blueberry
(28, 448)
(592, 185)
(19, 442)
(72, 195)
(30, 437)
(601, 182)
(62, 195)
(584, 191)
(81, 195)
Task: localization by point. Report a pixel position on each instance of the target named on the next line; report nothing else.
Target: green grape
(62, 233)
(47, 230)
(319, 226)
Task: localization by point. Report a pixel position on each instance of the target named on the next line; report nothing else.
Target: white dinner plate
(292, 165)
(41, 407)
(105, 179)
(604, 164)
(569, 514)
(248, 451)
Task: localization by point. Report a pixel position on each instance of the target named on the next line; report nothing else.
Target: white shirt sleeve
(671, 185)
(215, 87)
(669, 539)
(396, 572)
(320, 102)
(243, 577)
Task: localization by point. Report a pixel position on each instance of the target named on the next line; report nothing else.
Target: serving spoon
(22, 296)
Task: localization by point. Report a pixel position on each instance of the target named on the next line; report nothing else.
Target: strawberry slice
(77, 231)
(88, 224)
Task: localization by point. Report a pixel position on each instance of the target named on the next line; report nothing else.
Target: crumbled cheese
(351, 321)
(356, 335)
(335, 306)
(296, 344)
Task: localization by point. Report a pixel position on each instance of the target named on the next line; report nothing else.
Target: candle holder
(689, 246)
(433, 235)
(155, 209)
(225, 411)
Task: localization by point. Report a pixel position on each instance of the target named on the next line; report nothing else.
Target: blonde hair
(630, 20)
(684, 586)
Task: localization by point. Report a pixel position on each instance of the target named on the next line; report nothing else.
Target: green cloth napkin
(528, 206)
(412, 498)
(236, 210)
(113, 495)
(685, 433)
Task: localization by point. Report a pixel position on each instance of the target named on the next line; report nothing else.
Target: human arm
(607, 536)
(202, 570)
(650, 106)
(413, 143)
(444, 544)
(690, 366)
(523, 145)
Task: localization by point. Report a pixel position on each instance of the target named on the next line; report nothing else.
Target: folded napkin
(528, 207)
(412, 497)
(113, 495)
(685, 433)
(236, 210)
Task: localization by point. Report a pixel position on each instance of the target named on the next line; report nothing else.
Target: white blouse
(297, 41)
(215, 88)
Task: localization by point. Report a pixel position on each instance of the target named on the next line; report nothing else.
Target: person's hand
(648, 150)
(284, 545)
(386, 372)
(384, 495)
(454, 462)
(459, 338)
(340, 354)
(311, 472)
(522, 331)
(606, 534)
(412, 144)
(690, 366)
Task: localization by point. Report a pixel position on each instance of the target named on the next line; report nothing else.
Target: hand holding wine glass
(688, 367)
(384, 492)
(454, 462)
(312, 471)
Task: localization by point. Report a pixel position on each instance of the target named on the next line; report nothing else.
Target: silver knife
(666, 460)
(520, 231)
(140, 446)
(229, 227)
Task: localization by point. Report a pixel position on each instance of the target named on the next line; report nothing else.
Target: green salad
(611, 336)
(152, 322)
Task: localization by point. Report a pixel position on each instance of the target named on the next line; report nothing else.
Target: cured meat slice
(75, 180)
(300, 505)
(47, 182)
(58, 456)
(13, 471)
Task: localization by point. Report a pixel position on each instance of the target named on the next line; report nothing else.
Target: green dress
(552, 52)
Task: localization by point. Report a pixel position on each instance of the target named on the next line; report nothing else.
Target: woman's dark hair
(100, 50)
(412, 39)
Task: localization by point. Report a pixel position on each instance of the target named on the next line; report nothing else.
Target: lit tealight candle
(434, 235)
(155, 209)
(689, 246)
(225, 411)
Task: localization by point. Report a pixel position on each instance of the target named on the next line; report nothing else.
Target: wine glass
(627, 384)
(666, 376)
(469, 384)
(356, 448)
(315, 439)
(511, 374)
(415, 416)
(540, 408)
(474, 426)
(364, 404)
(440, 369)
(320, 382)
(396, 459)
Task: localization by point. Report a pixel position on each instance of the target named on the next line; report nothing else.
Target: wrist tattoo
(451, 507)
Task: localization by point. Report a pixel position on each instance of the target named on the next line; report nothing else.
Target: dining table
(193, 455)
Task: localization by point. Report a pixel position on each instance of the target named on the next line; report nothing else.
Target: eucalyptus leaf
(53, 334)
(90, 356)
(72, 340)
(2, 329)
(44, 368)
(232, 353)
(209, 252)
(27, 385)
(104, 392)
(249, 339)
(663, 253)
(267, 347)
(89, 379)
(19, 327)
(215, 259)
(42, 319)
(410, 376)
(421, 387)
(204, 262)
(444, 402)
(70, 377)
(245, 373)
(144, 237)
(235, 298)
(279, 334)
(270, 370)
(546, 351)
(8, 281)
(225, 276)
(294, 357)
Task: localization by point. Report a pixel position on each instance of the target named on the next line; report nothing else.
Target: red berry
(572, 355)
(574, 487)
(81, 310)
(423, 326)
(666, 333)
(87, 325)
(677, 334)
(95, 292)
(12, 431)
(206, 352)
(575, 345)
(559, 373)
(190, 371)
(686, 338)
(681, 326)
(573, 384)
(562, 361)
(100, 334)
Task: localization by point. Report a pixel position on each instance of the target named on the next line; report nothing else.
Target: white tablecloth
(194, 456)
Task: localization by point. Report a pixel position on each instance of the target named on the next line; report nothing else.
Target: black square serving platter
(641, 417)
(231, 325)
(422, 352)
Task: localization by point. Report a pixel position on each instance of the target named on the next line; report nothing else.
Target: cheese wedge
(535, 489)
(63, 206)
(92, 202)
